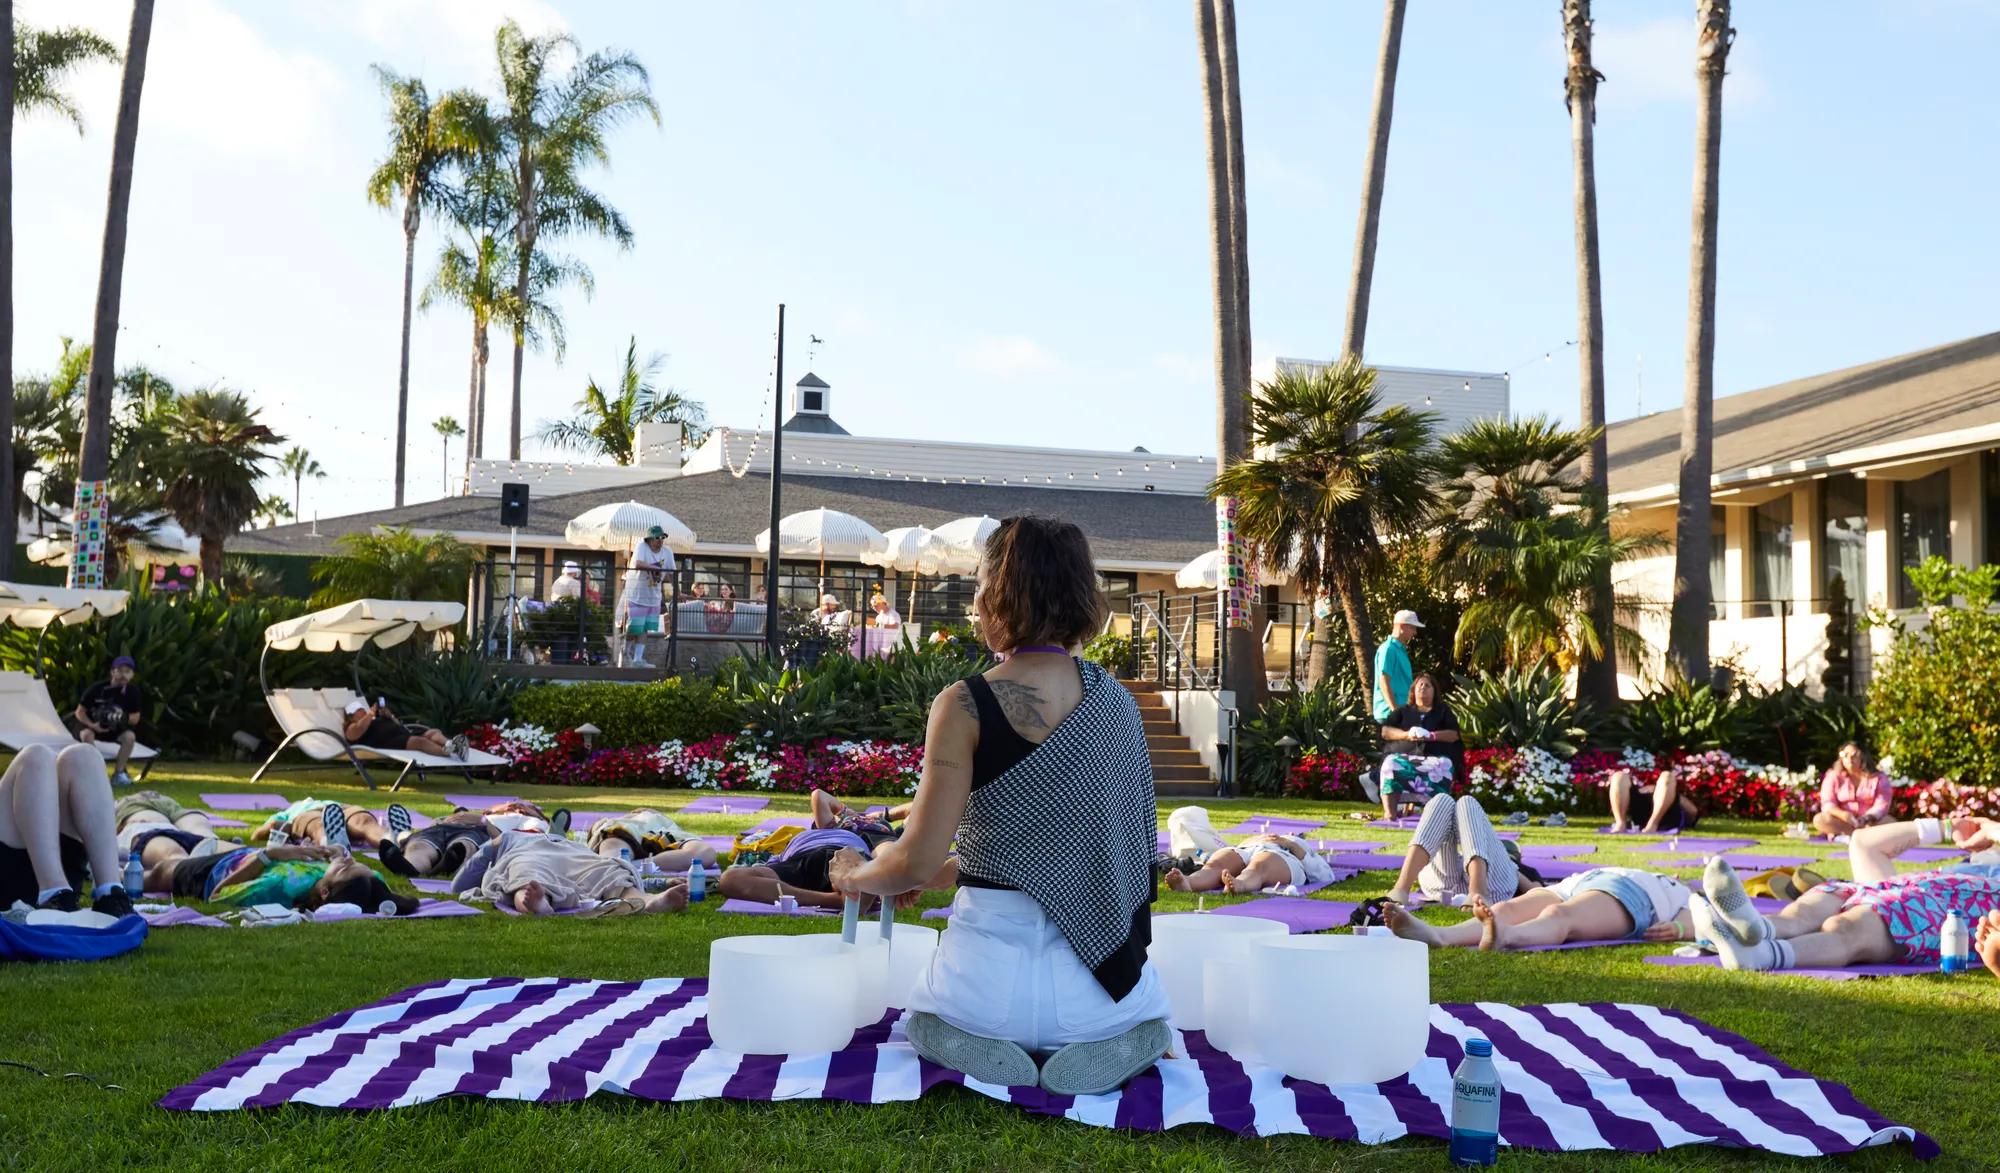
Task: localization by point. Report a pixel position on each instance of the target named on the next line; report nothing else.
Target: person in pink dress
(1854, 794)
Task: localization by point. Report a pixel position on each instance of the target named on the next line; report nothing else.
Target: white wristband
(1930, 831)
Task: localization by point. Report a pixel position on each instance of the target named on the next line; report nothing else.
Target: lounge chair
(313, 720)
(28, 717)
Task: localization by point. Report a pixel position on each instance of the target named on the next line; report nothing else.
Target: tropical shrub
(395, 564)
(1692, 718)
(1115, 652)
(1934, 705)
(1321, 720)
(675, 709)
(448, 690)
(1513, 708)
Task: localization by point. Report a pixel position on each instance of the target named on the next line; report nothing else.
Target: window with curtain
(1923, 528)
(1771, 558)
(1718, 549)
(1843, 502)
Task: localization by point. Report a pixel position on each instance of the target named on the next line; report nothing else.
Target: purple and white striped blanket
(1599, 1076)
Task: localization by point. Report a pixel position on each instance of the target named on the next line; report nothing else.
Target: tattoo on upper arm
(963, 692)
(1021, 703)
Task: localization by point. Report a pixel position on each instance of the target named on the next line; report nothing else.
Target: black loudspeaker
(513, 505)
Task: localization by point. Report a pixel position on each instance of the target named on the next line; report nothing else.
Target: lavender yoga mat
(479, 802)
(1931, 854)
(1273, 825)
(752, 908)
(183, 915)
(726, 804)
(215, 820)
(585, 820)
(246, 802)
(1752, 861)
(431, 884)
(1535, 851)
(425, 910)
(719, 842)
(1689, 843)
(1296, 913)
(1846, 974)
(1364, 861)
(776, 821)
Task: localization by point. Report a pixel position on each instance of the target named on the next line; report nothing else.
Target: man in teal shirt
(1393, 674)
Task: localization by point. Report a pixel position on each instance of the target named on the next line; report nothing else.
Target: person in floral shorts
(1897, 920)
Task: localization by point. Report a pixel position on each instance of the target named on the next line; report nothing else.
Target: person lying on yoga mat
(376, 727)
(304, 877)
(1873, 850)
(829, 811)
(1456, 852)
(801, 870)
(1839, 923)
(56, 824)
(310, 820)
(541, 875)
(1602, 904)
(1655, 805)
(648, 834)
(443, 847)
(146, 816)
(1257, 863)
(1040, 771)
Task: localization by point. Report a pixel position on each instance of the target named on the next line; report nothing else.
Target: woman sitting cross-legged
(1602, 904)
(1456, 852)
(540, 874)
(1039, 769)
(1418, 736)
(1897, 920)
(1853, 794)
(1257, 863)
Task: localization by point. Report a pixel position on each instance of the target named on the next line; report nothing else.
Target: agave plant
(1519, 709)
(1691, 717)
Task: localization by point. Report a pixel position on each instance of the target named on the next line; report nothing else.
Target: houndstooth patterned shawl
(1074, 823)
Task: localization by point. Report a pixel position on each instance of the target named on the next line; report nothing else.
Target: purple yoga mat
(776, 821)
(1533, 851)
(1768, 904)
(719, 842)
(1699, 843)
(1325, 846)
(736, 804)
(752, 908)
(1296, 913)
(1559, 869)
(935, 913)
(1846, 974)
(183, 915)
(1404, 824)
(1572, 945)
(425, 910)
(585, 820)
(1365, 861)
(246, 802)
(478, 802)
(431, 884)
(1752, 861)
(215, 820)
(1161, 842)
(1273, 825)
(1931, 854)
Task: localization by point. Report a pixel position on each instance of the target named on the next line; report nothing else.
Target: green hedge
(631, 714)
(1934, 705)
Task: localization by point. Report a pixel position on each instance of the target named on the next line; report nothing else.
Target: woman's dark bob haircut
(1038, 586)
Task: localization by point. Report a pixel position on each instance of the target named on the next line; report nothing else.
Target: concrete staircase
(1178, 771)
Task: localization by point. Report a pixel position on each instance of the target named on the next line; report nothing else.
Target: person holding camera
(111, 711)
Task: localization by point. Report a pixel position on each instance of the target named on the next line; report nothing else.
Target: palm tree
(1215, 23)
(1372, 178)
(299, 464)
(425, 138)
(213, 451)
(1526, 533)
(44, 60)
(273, 510)
(1340, 471)
(94, 450)
(553, 128)
(608, 424)
(1597, 676)
(446, 428)
(395, 564)
(1687, 638)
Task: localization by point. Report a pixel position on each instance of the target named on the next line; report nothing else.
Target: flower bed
(1325, 775)
(731, 762)
(1536, 781)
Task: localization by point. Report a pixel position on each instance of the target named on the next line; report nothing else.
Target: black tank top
(1001, 747)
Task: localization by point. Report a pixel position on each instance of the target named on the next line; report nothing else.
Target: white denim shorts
(1003, 970)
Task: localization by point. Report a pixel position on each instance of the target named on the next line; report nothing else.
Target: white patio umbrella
(164, 544)
(902, 552)
(823, 534)
(1204, 573)
(955, 546)
(618, 526)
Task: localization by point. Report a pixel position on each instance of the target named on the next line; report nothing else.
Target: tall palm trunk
(1372, 179)
(1687, 641)
(1215, 21)
(1597, 676)
(1354, 608)
(411, 214)
(484, 351)
(211, 559)
(527, 229)
(472, 402)
(94, 457)
(10, 509)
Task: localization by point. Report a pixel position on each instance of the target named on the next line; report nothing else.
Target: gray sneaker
(1092, 1069)
(121, 778)
(994, 1061)
(458, 746)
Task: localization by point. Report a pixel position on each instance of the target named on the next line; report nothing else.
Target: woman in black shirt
(1424, 728)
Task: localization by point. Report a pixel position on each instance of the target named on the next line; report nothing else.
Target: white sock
(105, 890)
(51, 893)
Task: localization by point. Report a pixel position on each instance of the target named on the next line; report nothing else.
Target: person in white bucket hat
(1393, 673)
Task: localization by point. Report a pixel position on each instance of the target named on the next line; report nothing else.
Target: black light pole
(777, 482)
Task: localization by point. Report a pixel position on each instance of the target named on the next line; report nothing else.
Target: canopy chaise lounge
(27, 714)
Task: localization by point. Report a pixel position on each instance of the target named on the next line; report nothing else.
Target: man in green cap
(652, 565)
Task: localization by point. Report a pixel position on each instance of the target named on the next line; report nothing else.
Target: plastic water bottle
(279, 836)
(697, 882)
(135, 875)
(1954, 944)
(1475, 1107)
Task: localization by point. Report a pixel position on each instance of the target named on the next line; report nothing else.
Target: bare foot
(1408, 927)
(1619, 828)
(672, 899)
(533, 899)
(1492, 934)
(1399, 898)
(1177, 880)
(1229, 881)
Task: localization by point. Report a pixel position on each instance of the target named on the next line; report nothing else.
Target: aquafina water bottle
(1475, 1107)
(1954, 944)
(135, 874)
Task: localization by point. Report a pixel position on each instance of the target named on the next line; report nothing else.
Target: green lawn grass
(1919, 1050)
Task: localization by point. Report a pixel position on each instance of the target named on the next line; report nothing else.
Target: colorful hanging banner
(1235, 577)
(87, 533)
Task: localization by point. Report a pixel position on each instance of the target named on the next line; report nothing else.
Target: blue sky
(995, 215)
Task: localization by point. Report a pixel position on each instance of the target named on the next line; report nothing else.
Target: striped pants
(1454, 832)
